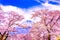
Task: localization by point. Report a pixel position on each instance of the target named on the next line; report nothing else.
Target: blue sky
(25, 3)
(20, 3)
(54, 3)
